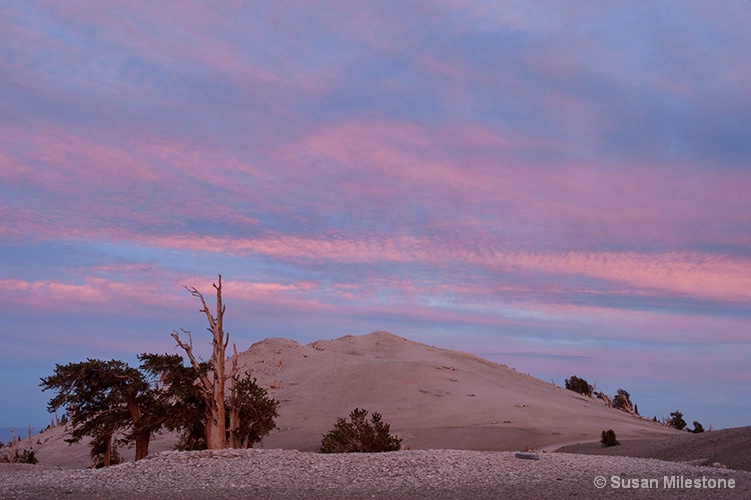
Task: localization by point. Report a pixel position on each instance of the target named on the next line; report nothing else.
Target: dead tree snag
(213, 382)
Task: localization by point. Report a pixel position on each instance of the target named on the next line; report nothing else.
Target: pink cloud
(136, 294)
(691, 274)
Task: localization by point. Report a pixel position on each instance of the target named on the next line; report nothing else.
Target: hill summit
(432, 397)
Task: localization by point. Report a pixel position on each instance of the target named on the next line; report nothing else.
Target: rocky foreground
(280, 474)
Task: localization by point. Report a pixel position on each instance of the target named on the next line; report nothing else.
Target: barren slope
(433, 398)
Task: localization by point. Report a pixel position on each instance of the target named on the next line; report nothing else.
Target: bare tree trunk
(213, 386)
(108, 452)
(606, 399)
(143, 438)
(234, 420)
(234, 412)
(142, 445)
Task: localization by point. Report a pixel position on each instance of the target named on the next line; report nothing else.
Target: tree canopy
(103, 398)
(109, 398)
(579, 385)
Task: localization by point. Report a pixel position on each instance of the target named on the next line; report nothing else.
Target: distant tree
(608, 438)
(25, 457)
(359, 435)
(622, 401)
(103, 397)
(698, 428)
(579, 385)
(676, 420)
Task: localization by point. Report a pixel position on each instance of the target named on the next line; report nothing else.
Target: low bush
(608, 438)
(25, 457)
(359, 435)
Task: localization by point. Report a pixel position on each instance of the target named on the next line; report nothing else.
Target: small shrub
(608, 438)
(25, 457)
(698, 428)
(359, 435)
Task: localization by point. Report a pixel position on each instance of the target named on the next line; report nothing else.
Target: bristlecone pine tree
(579, 385)
(622, 401)
(359, 435)
(212, 383)
(104, 397)
(676, 420)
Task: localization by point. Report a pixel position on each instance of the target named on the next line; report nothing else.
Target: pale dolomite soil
(286, 474)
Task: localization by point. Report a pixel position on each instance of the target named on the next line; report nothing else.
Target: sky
(562, 187)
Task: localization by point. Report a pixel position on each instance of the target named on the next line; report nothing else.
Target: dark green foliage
(698, 428)
(359, 435)
(109, 398)
(27, 457)
(676, 420)
(579, 385)
(103, 398)
(183, 407)
(180, 402)
(608, 438)
(254, 410)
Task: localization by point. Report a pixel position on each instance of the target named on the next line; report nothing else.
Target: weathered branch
(195, 293)
(188, 348)
(606, 398)
(235, 366)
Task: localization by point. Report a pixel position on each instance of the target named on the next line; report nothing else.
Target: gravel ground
(285, 474)
(729, 447)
